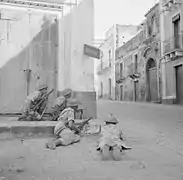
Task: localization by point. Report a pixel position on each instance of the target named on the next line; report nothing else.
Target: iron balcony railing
(173, 43)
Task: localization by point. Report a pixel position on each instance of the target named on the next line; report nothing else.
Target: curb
(27, 129)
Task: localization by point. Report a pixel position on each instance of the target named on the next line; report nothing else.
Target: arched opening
(152, 86)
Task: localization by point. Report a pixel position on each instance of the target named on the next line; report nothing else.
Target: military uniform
(65, 133)
(30, 103)
(60, 104)
(111, 139)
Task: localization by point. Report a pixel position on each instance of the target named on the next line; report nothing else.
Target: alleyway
(154, 131)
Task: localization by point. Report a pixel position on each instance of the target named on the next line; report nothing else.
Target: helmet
(111, 119)
(43, 87)
(67, 92)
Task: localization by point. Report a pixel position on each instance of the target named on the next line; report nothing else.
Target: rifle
(43, 99)
(78, 126)
(57, 110)
(81, 125)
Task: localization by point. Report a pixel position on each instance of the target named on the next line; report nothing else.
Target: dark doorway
(110, 86)
(136, 90)
(121, 92)
(101, 89)
(152, 81)
(179, 84)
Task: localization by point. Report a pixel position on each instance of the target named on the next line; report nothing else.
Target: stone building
(115, 36)
(137, 63)
(41, 45)
(172, 51)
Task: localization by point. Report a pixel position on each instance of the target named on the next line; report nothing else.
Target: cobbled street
(155, 133)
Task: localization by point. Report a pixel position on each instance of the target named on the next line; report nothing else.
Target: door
(179, 84)
(135, 90)
(121, 92)
(153, 87)
(101, 89)
(110, 88)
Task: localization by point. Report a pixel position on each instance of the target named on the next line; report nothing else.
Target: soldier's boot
(106, 153)
(116, 153)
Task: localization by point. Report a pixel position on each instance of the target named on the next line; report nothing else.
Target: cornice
(32, 4)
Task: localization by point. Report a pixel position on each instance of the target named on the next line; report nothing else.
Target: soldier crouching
(27, 109)
(112, 141)
(60, 104)
(65, 130)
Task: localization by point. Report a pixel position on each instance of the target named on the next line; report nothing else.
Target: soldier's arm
(121, 135)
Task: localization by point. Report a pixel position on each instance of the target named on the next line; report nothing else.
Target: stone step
(10, 125)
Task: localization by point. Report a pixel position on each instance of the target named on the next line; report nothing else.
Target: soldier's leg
(116, 153)
(69, 137)
(106, 153)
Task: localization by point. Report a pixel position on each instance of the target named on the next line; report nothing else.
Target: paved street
(155, 133)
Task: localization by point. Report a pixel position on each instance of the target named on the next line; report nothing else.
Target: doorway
(121, 92)
(110, 85)
(152, 91)
(101, 89)
(179, 84)
(136, 90)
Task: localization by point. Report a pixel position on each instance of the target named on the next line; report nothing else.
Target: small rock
(16, 169)
(2, 178)
(20, 170)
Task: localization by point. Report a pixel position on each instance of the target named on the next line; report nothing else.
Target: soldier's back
(34, 95)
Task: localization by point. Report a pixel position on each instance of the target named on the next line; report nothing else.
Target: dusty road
(154, 131)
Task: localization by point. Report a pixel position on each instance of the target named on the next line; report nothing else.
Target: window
(136, 63)
(110, 58)
(176, 29)
(153, 25)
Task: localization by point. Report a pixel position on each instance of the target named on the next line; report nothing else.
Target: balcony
(120, 79)
(134, 76)
(173, 45)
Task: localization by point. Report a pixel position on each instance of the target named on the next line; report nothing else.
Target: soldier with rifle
(67, 131)
(35, 104)
(60, 104)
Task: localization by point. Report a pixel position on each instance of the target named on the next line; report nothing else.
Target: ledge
(33, 4)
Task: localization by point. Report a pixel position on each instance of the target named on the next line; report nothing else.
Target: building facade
(39, 46)
(115, 36)
(172, 51)
(137, 63)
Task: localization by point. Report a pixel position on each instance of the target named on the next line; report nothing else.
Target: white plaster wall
(18, 32)
(77, 29)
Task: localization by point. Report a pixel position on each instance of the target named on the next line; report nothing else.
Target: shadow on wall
(41, 53)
